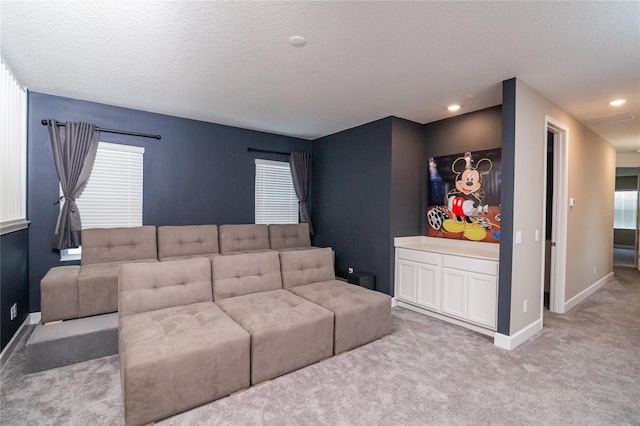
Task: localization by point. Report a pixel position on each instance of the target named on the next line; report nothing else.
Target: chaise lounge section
(177, 349)
(191, 331)
(287, 331)
(360, 315)
(90, 289)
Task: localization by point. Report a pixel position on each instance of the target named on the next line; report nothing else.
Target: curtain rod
(119, 132)
(266, 151)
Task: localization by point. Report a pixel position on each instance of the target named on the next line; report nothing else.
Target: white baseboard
(513, 341)
(31, 319)
(571, 303)
(394, 302)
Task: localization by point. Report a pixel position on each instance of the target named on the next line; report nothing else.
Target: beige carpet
(583, 368)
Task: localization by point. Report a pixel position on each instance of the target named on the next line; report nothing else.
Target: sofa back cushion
(187, 240)
(104, 245)
(145, 287)
(240, 274)
(242, 238)
(306, 267)
(289, 235)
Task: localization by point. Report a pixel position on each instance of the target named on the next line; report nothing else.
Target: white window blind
(276, 200)
(113, 195)
(625, 209)
(13, 153)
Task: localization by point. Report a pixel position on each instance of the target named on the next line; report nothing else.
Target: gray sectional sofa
(77, 291)
(68, 292)
(192, 331)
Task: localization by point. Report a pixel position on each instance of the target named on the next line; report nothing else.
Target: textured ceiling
(231, 62)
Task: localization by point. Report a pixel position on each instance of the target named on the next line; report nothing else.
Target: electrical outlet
(525, 306)
(351, 270)
(14, 311)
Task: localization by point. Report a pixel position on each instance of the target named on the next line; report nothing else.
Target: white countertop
(480, 250)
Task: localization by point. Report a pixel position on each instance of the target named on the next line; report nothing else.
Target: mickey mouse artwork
(464, 197)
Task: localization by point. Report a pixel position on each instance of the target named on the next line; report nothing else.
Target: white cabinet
(406, 280)
(428, 291)
(482, 296)
(454, 292)
(456, 286)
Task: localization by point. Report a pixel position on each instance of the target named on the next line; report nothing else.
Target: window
(625, 209)
(276, 200)
(13, 153)
(113, 196)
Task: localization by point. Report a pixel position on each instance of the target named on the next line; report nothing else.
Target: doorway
(625, 219)
(548, 224)
(556, 204)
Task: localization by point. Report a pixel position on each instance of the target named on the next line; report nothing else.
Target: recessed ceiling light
(297, 41)
(617, 102)
(453, 107)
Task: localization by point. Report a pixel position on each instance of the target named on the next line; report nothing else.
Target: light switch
(537, 235)
(572, 202)
(518, 237)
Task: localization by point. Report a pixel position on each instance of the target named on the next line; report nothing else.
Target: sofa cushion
(160, 285)
(105, 245)
(177, 358)
(283, 236)
(98, 287)
(187, 241)
(306, 267)
(243, 238)
(287, 331)
(361, 315)
(240, 274)
(59, 293)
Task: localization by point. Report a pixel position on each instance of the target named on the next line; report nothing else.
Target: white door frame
(560, 213)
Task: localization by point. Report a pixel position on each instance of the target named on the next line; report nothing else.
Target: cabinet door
(482, 299)
(428, 286)
(454, 292)
(406, 277)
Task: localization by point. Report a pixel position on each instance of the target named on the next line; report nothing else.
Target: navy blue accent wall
(368, 189)
(474, 131)
(352, 198)
(408, 179)
(506, 211)
(14, 282)
(199, 173)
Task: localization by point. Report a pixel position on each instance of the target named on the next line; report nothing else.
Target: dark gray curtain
(300, 169)
(74, 149)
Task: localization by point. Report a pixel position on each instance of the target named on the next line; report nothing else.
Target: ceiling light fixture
(617, 102)
(297, 41)
(453, 107)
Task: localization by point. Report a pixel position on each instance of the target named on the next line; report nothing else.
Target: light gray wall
(590, 223)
